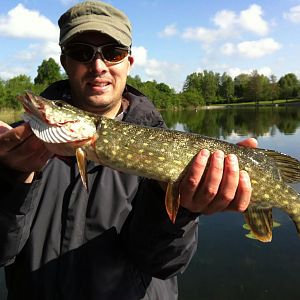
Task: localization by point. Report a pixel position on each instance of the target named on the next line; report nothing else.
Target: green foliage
(48, 72)
(191, 98)
(240, 85)
(159, 93)
(14, 87)
(2, 93)
(226, 88)
(253, 88)
(289, 86)
(209, 86)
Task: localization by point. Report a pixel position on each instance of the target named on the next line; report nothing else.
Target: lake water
(228, 265)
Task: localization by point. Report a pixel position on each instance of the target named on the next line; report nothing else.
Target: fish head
(53, 112)
(57, 122)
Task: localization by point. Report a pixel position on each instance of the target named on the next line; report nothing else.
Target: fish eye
(58, 103)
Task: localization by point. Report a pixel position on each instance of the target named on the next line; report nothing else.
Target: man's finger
(228, 187)
(251, 142)
(190, 182)
(13, 137)
(243, 194)
(4, 127)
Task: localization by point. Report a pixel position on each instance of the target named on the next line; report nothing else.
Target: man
(59, 241)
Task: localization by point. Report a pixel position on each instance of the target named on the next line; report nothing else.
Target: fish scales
(151, 152)
(165, 155)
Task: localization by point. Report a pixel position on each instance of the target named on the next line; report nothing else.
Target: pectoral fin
(81, 162)
(260, 222)
(172, 200)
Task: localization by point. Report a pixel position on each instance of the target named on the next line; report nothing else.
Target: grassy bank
(265, 103)
(10, 115)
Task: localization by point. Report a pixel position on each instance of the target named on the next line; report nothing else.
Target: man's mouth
(100, 84)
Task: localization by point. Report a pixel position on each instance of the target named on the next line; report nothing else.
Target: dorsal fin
(260, 221)
(288, 166)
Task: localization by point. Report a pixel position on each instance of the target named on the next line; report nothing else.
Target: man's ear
(131, 60)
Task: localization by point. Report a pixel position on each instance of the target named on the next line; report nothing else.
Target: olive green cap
(95, 16)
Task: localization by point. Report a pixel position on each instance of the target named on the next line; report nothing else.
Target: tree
(209, 86)
(289, 86)
(191, 98)
(274, 89)
(135, 81)
(226, 87)
(16, 86)
(2, 93)
(48, 72)
(240, 85)
(257, 87)
(192, 82)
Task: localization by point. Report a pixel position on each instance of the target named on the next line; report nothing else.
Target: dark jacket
(115, 242)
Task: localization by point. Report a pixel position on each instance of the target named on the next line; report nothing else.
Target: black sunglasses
(85, 53)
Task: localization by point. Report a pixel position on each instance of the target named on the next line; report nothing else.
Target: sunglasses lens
(85, 53)
(113, 53)
(80, 52)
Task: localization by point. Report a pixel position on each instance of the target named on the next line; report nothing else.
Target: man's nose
(99, 64)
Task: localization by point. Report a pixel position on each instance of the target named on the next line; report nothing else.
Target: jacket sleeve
(15, 216)
(156, 245)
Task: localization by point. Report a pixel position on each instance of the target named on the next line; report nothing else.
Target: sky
(171, 38)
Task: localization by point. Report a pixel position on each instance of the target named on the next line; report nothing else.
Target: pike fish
(163, 155)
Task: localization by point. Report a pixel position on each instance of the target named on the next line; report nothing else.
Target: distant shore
(276, 103)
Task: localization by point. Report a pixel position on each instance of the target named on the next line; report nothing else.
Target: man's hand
(223, 186)
(20, 150)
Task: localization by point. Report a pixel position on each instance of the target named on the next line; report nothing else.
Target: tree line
(199, 89)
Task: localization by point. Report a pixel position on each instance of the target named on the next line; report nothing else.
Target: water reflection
(222, 123)
(227, 265)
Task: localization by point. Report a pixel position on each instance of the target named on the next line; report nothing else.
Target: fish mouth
(32, 106)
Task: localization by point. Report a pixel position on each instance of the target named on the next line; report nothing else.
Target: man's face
(96, 86)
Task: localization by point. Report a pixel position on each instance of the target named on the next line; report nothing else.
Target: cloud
(40, 51)
(293, 14)
(27, 60)
(168, 31)
(229, 25)
(153, 69)
(140, 55)
(228, 49)
(259, 48)
(251, 49)
(225, 19)
(233, 72)
(8, 72)
(251, 20)
(160, 70)
(23, 23)
(207, 36)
